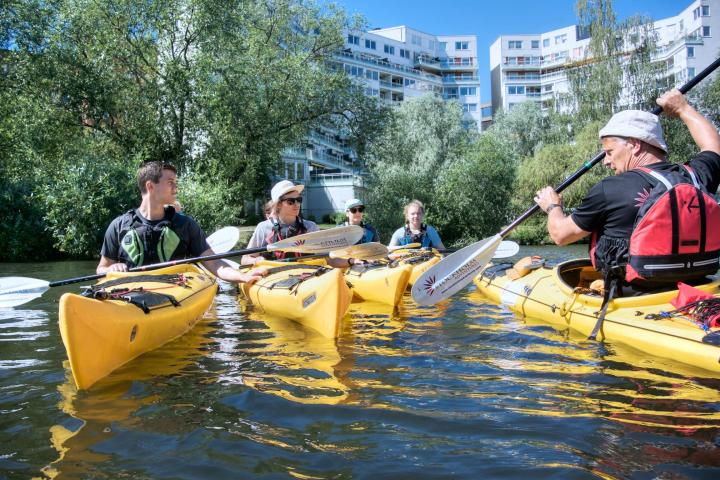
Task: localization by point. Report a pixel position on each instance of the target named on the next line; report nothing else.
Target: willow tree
(617, 71)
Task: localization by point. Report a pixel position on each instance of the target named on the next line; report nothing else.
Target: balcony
(393, 85)
(452, 80)
(465, 64)
(427, 62)
(383, 63)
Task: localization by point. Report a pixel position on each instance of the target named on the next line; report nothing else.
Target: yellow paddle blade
(364, 251)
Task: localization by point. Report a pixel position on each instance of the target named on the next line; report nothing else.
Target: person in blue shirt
(355, 211)
(415, 231)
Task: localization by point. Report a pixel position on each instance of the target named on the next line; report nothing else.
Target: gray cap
(636, 124)
(353, 202)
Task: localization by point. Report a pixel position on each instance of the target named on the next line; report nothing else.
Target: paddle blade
(15, 291)
(322, 241)
(224, 239)
(453, 272)
(409, 246)
(507, 248)
(363, 251)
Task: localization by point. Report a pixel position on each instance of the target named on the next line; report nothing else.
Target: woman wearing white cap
(635, 150)
(284, 221)
(415, 231)
(355, 210)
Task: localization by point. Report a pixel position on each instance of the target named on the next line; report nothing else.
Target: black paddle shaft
(171, 263)
(597, 158)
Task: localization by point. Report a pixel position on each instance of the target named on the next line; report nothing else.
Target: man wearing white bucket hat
(635, 150)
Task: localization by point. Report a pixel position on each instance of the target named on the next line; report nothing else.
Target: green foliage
(549, 166)
(21, 226)
(472, 192)
(213, 203)
(83, 196)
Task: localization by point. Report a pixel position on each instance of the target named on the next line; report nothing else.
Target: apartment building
(392, 64)
(532, 67)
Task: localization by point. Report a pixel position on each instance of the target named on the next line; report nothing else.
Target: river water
(464, 389)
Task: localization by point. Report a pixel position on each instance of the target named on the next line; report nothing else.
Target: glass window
(470, 107)
(389, 49)
(690, 72)
(404, 53)
(691, 52)
(416, 40)
(706, 10)
(516, 89)
(560, 39)
(534, 43)
(468, 90)
(353, 40)
(370, 44)
(461, 45)
(705, 31)
(546, 42)
(443, 45)
(513, 44)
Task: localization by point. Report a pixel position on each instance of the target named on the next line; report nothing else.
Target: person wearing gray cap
(633, 143)
(355, 210)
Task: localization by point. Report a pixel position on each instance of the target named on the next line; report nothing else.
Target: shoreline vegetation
(88, 94)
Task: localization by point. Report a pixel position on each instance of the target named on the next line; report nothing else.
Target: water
(464, 389)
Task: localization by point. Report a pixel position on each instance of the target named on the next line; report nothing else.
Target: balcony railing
(459, 79)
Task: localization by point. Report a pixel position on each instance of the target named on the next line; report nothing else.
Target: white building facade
(531, 67)
(392, 64)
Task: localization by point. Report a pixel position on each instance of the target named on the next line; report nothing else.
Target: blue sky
(490, 19)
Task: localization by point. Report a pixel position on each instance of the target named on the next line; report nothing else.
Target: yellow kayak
(128, 314)
(550, 295)
(419, 259)
(384, 283)
(313, 295)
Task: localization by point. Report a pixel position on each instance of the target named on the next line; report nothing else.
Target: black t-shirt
(192, 236)
(611, 205)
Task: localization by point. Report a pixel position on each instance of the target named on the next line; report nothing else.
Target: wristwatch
(551, 206)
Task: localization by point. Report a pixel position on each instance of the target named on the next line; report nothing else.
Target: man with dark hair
(154, 232)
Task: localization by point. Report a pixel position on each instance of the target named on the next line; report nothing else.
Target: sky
(490, 19)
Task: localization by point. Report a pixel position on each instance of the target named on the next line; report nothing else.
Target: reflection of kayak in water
(96, 414)
(550, 294)
(295, 363)
(128, 314)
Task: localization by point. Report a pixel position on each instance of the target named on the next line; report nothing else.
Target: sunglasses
(293, 200)
(360, 209)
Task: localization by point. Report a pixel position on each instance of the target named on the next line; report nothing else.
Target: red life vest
(676, 235)
(275, 235)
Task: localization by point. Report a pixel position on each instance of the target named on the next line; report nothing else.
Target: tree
(618, 70)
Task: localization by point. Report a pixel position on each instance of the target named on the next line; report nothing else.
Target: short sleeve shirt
(184, 227)
(612, 204)
(264, 229)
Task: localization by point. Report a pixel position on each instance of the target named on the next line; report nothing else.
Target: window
(706, 10)
(516, 89)
(546, 42)
(370, 44)
(409, 82)
(534, 43)
(354, 71)
(691, 72)
(696, 13)
(705, 31)
(468, 90)
(512, 44)
(416, 40)
(462, 45)
(443, 45)
(431, 44)
(690, 52)
(560, 39)
(470, 107)
(353, 40)
(389, 49)
(404, 53)
(371, 74)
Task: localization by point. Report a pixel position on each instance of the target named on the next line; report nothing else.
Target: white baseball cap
(636, 124)
(283, 187)
(353, 202)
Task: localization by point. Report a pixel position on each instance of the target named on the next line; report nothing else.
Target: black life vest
(275, 235)
(145, 243)
(675, 237)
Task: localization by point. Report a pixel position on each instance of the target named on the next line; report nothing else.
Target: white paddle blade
(453, 272)
(364, 251)
(322, 241)
(15, 291)
(507, 248)
(224, 239)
